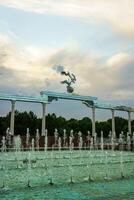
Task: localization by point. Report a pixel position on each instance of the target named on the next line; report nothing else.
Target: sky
(94, 39)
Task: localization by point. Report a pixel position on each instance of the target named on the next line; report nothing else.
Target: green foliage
(103, 126)
(24, 120)
(85, 124)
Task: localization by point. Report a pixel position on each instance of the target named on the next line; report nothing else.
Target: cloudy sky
(94, 39)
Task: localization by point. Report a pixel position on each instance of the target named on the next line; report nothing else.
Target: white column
(93, 121)
(12, 116)
(113, 122)
(43, 118)
(129, 123)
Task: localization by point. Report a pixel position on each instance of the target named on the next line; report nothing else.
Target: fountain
(102, 143)
(66, 157)
(59, 143)
(27, 138)
(64, 138)
(46, 141)
(95, 162)
(32, 145)
(17, 143)
(29, 170)
(88, 138)
(92, 144)
(128, 142)
(71, 138)
(133, 141)
(121, 143)
(8, 137)
(56, 138)
(80, 143)
(3, 141)
(37, 139)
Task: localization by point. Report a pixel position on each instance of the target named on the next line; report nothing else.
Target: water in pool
(111, 190)
(82, 174)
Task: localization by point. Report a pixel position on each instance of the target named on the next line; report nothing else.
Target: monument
(70, 81)
(71, 156)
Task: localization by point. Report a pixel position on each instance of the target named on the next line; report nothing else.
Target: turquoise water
(115, 190)
(17, 168)
(106, 168)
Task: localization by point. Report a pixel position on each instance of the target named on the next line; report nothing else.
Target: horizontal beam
(71, 96)
(109, 107)
(113, 107)
(48, 96)
(10, 97)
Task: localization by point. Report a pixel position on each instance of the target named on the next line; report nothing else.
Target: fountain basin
(38, 167)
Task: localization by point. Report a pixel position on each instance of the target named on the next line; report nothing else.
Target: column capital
(43, 103)
(13, 101)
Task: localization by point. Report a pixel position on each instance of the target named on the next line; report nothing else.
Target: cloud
(111, 80)
(58, 68)
(21, 70)
(120, 59)
(118, 14)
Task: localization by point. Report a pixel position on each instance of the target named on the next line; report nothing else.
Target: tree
(24, 120)
(85, 125)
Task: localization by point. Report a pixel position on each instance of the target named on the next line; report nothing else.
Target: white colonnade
(113, 121)
(12, 118)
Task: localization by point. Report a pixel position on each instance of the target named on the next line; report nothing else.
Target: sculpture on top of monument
(69, 82)
(71, 77)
